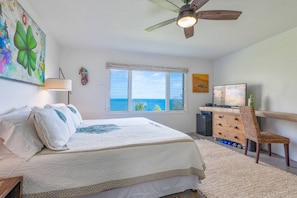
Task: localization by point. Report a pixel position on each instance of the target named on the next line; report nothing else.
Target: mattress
(108, 154)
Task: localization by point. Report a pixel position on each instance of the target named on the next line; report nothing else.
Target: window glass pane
(148, 91)
(176, 91)
(119, 90)
(134, 90)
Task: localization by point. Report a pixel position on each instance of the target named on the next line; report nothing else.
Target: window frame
(148, 68)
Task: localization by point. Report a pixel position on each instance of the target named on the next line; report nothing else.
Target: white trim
(110, 65)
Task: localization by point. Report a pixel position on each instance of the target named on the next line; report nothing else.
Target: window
(146, 88)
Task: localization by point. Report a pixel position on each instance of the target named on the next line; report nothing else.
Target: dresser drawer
(236, 137)
(231, 136)
(220, 133)
(228, 118)
(220, 125)
(219, 118)
(234, 120)
(228, 127)
(235, 127)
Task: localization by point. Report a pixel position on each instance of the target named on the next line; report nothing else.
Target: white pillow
(77, 119)
(16, 113)
(76, 116)
(4, 152)
(66, 111)
(52, 127)
(19, 134)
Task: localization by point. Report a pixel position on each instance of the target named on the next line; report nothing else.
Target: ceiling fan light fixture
(186, 19)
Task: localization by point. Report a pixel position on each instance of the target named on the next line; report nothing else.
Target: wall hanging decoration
(84, 75)
(200, 83)
(22, 45)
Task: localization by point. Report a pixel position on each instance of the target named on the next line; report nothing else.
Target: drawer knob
(220, 124)
(219, 133)
(220, 116)
(235, 137)
(235, 127)
(236, 118)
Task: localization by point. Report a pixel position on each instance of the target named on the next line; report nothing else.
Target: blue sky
(145, 84)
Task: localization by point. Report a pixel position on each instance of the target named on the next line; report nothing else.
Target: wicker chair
(252, 132)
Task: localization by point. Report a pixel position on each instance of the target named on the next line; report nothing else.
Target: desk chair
(252, 132)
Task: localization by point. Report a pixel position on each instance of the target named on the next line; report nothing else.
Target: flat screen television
(233, 95)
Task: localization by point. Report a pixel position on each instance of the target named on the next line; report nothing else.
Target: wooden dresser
(227, 122)
(228, 127)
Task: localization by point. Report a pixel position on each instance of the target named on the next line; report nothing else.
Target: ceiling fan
(188, 17)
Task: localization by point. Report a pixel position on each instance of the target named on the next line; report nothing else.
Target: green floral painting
(22, 45)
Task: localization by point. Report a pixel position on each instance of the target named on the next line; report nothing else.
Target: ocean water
(150, 104)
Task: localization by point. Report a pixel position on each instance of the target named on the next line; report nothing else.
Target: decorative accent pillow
(19, 134)
(77, 119)
(75, 115)
(69, 119)
(52, 127)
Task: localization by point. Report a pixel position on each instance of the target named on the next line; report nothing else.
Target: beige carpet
(232, 174)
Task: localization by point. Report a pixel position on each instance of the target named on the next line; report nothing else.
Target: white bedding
(134, 151)
(153, 189)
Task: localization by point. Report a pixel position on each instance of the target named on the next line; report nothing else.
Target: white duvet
(133, 150)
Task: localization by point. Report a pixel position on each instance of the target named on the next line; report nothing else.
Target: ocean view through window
(146, 90)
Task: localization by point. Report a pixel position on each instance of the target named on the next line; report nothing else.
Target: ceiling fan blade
(196, 4)
(189, 32)
(166, 4)
(160, 24)
(219, 14)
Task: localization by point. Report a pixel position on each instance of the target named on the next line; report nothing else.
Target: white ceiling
(120, 24)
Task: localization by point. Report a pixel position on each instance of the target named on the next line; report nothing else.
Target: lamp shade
(57, 84)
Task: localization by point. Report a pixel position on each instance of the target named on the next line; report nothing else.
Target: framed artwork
(22, 45)
(200, 83)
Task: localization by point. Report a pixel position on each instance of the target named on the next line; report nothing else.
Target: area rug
(232, 174)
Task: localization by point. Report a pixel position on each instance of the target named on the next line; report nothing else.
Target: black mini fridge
(204, 124)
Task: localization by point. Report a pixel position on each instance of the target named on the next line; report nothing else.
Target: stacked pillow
(25, 135)
(18, 134)
(77, 119)
(74, 113)
(55, 124)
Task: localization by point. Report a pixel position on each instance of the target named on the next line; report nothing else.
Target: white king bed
(61, 155)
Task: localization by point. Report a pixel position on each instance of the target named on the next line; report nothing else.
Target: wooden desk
(267, 114)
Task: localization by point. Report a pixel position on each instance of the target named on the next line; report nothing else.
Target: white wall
(91, 99)
(17, 94)
(270, 69)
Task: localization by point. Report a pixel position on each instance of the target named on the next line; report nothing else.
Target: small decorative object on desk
(251, 100)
